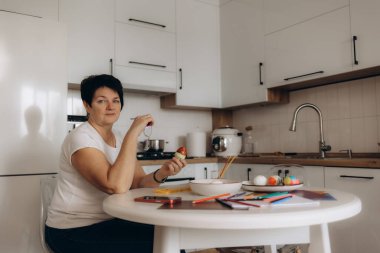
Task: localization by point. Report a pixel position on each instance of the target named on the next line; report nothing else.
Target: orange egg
(274, 180)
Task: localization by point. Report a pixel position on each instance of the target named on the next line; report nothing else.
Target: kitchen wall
(170, 125)
(351, 113)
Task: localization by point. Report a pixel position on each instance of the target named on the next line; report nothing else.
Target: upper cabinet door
(365, 19)
(198, 54)
(242, 51)
(39, 8)
(145, 59)
(315, 48)
(280, 14)
(90, 26)
(157, 14)
(145, 45)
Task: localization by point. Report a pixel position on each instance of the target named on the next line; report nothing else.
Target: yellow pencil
(210, 198)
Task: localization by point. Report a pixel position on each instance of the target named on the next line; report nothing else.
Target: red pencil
(210, 198)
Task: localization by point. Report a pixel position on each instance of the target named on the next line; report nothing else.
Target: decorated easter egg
(287, 180)
(180, 153)
(291, 180)
(274, 180)
(260, 180)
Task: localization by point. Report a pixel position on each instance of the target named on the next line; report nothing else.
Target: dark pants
(110, 236)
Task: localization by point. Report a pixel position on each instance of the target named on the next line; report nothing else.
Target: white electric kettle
(226, 141)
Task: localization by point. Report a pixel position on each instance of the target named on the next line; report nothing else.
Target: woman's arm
(169, 168)
(117, 177)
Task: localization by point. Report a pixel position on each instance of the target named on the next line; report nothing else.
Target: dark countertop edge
(189, 161)
(330, 162)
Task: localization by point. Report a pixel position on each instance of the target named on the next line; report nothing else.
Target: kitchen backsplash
(351, 113)
(170, 125)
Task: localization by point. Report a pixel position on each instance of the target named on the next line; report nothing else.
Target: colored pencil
(242, 203)
(210, 198)
(276, 198)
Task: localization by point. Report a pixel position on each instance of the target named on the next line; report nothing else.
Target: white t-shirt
(76, 202)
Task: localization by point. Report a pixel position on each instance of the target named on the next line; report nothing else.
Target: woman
(95, 161)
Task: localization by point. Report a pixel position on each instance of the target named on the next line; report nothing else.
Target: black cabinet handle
(146, 22)
(260, 74)
(180, 79)
(248, 173)
(147, 64)
(111, 66)
(20, 13)
(360, 177)
(179, 179)
(294, 77)
(205, 169)
(354, 39)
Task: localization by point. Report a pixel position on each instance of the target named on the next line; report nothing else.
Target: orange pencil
(210, 198)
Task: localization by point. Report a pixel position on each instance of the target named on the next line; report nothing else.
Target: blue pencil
(281, 200)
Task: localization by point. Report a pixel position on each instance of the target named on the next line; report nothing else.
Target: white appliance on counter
(226, 141)
(33, 81)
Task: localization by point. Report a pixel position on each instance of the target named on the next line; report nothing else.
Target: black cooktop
(154, 155)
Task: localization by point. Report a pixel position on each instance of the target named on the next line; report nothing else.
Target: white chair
(47, 187)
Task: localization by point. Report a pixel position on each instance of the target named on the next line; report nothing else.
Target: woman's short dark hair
(90, 84)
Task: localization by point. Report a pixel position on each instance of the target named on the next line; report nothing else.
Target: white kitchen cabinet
(244, 172)
(90, 27)
(242, 53)
(156, 14)
(196, 170)
(145, 53)
(280, 14)
(365, 18)
(145, 58)
(38, 8)
(315, 48)
(313, 176)
(198, 54)
(20, 214)
(360, 233)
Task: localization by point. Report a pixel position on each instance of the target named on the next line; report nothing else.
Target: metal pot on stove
(226, 141)
(154, 145)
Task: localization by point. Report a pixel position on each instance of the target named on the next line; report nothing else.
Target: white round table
(189, 229)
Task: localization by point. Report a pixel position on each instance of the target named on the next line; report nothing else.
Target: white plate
(249, 186)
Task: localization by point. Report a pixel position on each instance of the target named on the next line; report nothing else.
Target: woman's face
(105, 107)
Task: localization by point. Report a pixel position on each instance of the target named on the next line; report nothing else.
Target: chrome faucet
(322, 145)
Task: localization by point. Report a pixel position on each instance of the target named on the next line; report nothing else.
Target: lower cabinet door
(20, 214)
(360, 233)
(191, 171)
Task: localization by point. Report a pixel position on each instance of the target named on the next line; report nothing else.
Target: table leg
(270, 248)
(320, 240)
(171, 240)
(166, 240)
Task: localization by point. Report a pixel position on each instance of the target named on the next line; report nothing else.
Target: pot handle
(146, 145)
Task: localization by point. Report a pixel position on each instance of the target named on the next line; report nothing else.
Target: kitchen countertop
(328, 162)
(371, 161)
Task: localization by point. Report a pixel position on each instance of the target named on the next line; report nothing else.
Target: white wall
(170, 125)
(351, 113)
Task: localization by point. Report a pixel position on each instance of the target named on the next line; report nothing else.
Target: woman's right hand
(140, 122)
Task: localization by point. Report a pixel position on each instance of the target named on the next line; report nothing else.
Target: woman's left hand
(171, 167)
